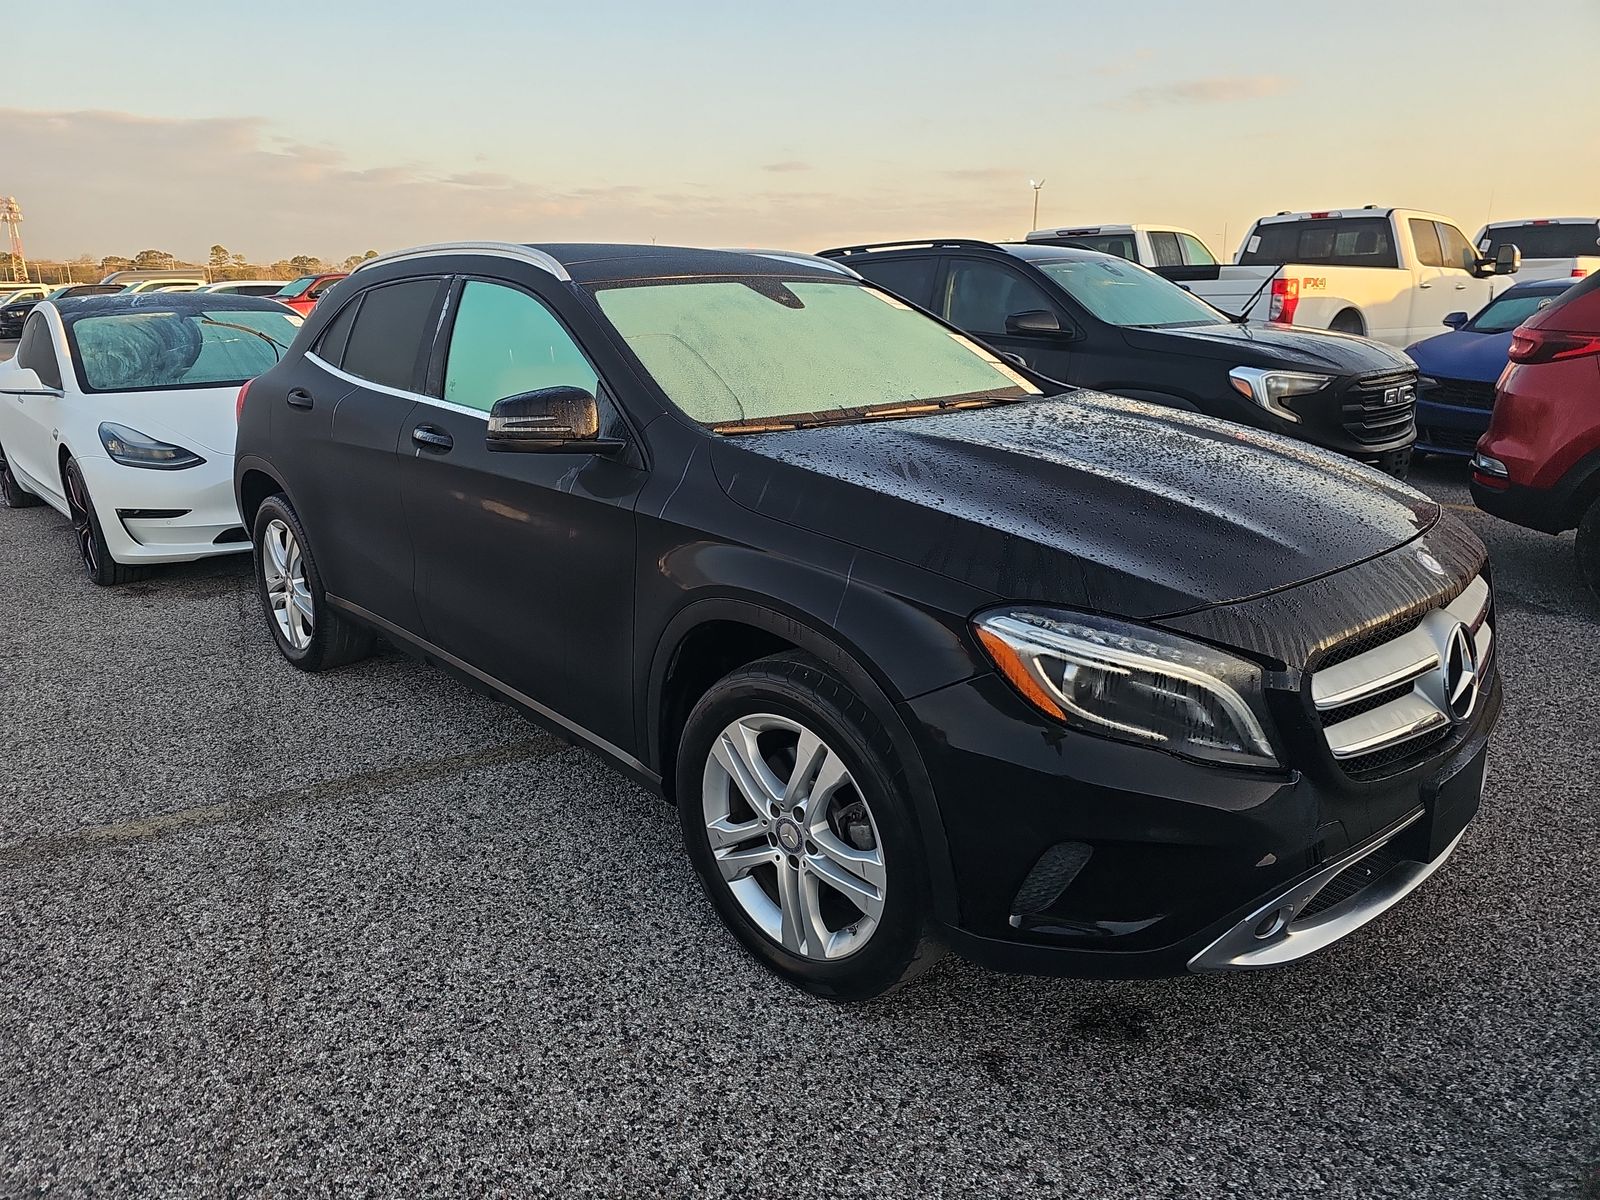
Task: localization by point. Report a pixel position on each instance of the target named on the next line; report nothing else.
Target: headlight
(1132, 683)
(1269, 388)
(134, 449)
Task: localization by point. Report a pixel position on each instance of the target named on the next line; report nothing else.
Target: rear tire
(308, 631)
(11, 490)
(1349, 321)
(102, 569)
(821, 876)
(1588, 547)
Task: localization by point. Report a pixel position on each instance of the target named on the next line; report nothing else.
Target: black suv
(928, 651)
(1099, 321)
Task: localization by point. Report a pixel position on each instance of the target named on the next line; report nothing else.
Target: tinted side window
(392, 328)
(909, 278)
(1458, 252)
(1195, 253)
(1426, 237)
(1165, 248)
(979, 296)
(330, 346)
(35, 350)
(505, 343)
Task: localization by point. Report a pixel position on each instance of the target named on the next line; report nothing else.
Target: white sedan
(119, 412)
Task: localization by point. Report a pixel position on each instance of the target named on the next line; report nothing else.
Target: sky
(346, 126)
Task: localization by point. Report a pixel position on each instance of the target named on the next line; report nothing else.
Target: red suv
(302, 295)
(1539, 464)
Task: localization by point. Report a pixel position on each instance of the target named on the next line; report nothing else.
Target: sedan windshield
(763, 352)
(1123, 293)
(143, 351)
(1507, 312)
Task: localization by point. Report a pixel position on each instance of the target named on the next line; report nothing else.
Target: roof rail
(931, 243)
(538, 258)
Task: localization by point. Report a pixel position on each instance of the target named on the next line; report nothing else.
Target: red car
(1539, 464)
(302, 295)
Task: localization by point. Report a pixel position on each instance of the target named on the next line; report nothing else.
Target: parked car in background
(124, 279)
(118, 411)
(1167, 249)
(1539, 464)
(14, 312)
(24, 291)
(928, 650)
(302, 295)
(142, 286)
(1455, 393)
(1103, 322)
(1551, 247)
(1388, 273)
(245, 287)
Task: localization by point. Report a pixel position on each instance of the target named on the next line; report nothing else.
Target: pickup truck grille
(1462, 393)
(1381, 408)
(1383, 704)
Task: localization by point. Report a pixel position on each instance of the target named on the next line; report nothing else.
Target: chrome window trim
(538, 258)
(399, 393)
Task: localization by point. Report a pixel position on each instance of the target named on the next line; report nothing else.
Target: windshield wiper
(277, 347)
(893, 410)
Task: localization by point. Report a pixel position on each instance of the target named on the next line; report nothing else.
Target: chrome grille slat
(1388, 725)
(1409, 655)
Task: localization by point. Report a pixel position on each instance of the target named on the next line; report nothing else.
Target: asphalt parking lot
(372, 933)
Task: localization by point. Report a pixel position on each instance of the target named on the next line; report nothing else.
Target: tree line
(221, 264)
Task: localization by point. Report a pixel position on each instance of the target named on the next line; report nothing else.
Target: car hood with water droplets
(1083, 500)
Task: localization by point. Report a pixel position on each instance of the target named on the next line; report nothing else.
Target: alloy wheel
(793, 837)
(82, 522)
(283, 570)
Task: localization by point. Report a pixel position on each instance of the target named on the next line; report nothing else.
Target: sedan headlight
(1270, 388)
(1132, 683)
(134, 449)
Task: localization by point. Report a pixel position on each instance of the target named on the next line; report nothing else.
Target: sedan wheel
(306, 627)
(104, 570)
(793, 837)
(283, 568)
(11, 490)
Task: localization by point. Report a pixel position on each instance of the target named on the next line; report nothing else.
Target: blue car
(1455, 395)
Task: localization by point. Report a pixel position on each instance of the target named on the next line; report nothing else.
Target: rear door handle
(299, 398)
(431, 437)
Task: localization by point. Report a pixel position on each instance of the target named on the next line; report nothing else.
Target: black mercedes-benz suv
(928, 651)
(1099, 321)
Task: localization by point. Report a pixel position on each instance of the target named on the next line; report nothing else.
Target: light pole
(1035, 184)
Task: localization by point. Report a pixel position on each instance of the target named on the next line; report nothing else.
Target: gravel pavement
(371, 933)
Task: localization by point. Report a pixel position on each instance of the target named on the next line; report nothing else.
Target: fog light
(1271, 925)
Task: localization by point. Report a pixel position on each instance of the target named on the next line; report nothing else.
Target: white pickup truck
(1168, 248)
(1551, 247)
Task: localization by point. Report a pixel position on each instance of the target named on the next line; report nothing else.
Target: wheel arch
(254, 481)
(1356, 322)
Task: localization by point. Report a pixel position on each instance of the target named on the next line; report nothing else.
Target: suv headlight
(1132, 683)
(1270, 388)
(134, 449)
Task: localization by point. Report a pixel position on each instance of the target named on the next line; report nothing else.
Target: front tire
(102, 569)
(1588, 547)
(308, 631)
(11, 490)
(795, 815)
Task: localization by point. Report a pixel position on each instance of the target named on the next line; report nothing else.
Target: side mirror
(1036, 320)
(553, 419)
(1507, 261)
(25, 381)
(1455, 320)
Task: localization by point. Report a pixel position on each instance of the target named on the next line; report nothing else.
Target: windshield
(298, 288)
(1506, 313)
(1334, 242)
(763, 350)
(1123, 293)
(138, 351)
(1545, 241)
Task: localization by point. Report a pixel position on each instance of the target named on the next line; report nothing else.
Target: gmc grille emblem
(1399, 395)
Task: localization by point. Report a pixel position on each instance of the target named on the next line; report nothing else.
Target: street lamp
(1035, 184)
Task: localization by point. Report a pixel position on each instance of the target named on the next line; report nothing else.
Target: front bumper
(1449, 429)
(1073, 855)
(133, 504)
(1544, 509)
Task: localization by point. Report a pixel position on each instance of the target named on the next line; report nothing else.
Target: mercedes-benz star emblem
(1461, 674)
(1430, 563)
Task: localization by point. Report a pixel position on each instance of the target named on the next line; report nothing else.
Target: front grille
(1380, 408)
(1384, 698)
(1462, 393)
(1463, 441)
(1353, 879)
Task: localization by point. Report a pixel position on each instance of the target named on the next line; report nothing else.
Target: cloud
(787, 166)
(1219, 90)
(983, 174)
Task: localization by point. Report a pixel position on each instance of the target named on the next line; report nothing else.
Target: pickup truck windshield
(1123, 293)
(1546, 241)
(146, 351)
(759, 349)
(1332, 242)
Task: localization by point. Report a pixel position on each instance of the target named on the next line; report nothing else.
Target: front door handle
(431, 437)
(299, 398)
(1424, 284)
